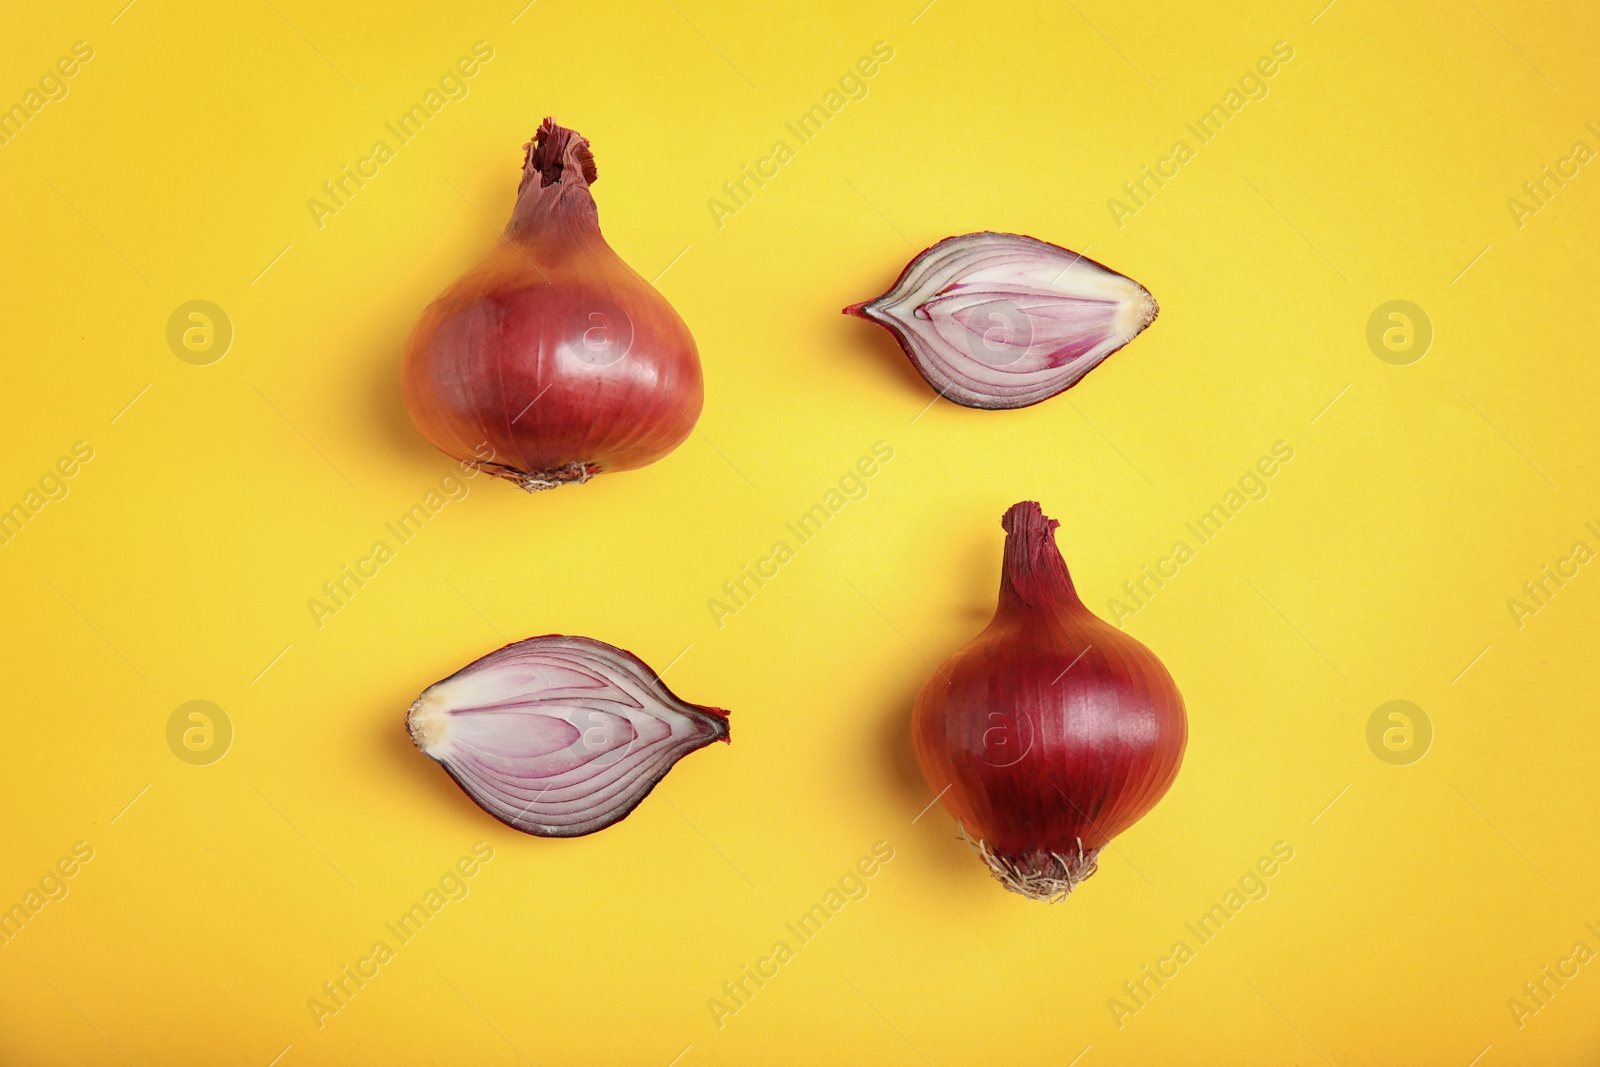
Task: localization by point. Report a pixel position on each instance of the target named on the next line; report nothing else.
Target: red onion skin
(1052, 729)
(552, 360)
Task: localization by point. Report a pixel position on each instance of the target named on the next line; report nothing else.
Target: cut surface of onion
(1000, 320)
(559, 736)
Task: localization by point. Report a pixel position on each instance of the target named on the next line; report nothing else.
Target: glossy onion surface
(552, 360)
(1052, 730)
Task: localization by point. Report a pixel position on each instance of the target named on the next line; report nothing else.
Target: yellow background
(1378, 567)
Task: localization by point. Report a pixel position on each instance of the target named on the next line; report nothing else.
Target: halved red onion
(999, 320)
(559, 736)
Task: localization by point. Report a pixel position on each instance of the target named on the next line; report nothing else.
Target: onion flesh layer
(1001, 320)
(559, 736)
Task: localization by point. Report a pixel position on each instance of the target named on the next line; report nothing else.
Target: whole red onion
(552, 361)
(1050, 732)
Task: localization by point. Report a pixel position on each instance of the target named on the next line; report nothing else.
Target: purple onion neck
(553, 199)
(1034, 577)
